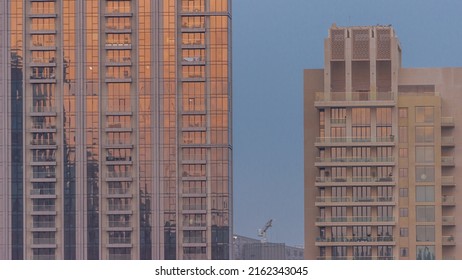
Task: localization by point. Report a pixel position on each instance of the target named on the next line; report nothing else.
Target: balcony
(192, 27)
(43, 111)
(447, 141)
(119, 207)
(119, 143)
(354, 99)
(192, 9)
(447, 161)
(118, 46)
(42, 79)
(338, 122)
(120, 224)
(193, 44)
(448, 181)
(118, 29)
(44, 226)
(44, 208)
(447, 122)
(43, 193)
(355, 258)
(449, 241)
(448, 200)
(193, 60)
(119, 176)
(448, 221)
(355, 161)
(353, 220)
(357, 181)
(43, 62)
(345, 201)
(352, 141)
(118, 12)
(333, 241)
(122, 61)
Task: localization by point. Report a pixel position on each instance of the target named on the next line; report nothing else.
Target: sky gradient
(273, 41)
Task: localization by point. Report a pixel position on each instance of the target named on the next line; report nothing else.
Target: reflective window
(425, 194)
(425, 233)
(424, 114)
(424, 154)
(425, 173)
(425, 213)
(424, 134)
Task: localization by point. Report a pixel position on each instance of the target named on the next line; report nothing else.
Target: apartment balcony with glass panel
(43, 243)
(119, 61)
(355, 258)
(448, 181)
(449, 241)
(354, 220)
(447, 141)
(447, 122)
(193, 60)
(43, 111)
(355, 161)
(44, 193)
(114, 176)
(42, 62)
(39, 78)
(448, 221)
(354, 201)
(448, 200)
(43, 13)
(355, 181)
(447, 162)
(353, 141)
(354, 240)
(354, 99)
(118, 11)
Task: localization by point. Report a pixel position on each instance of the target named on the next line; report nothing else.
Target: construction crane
(262, 232)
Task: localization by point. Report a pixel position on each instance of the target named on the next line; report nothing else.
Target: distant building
(380, 146)
(246, 248)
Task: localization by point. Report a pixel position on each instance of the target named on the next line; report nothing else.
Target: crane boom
(262, 232)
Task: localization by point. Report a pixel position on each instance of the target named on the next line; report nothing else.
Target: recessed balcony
(447, 122)
(447, 181)
(355, 161)
(447, 161)
(354, 99)
(354, 240)
(449, 241)
(448, 221)
(354, 220)
(447, 141)
(353, 141)
(356, 181)
(346, 201)
(448, 200)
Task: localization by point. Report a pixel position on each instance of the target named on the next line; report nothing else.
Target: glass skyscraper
(115, 129)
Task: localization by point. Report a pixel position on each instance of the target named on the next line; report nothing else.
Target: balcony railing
(329, 140)
(354, 96)
(47, 191)
(335, 199)
(122, 224)
(447, 161)
(355, 258)
(116, 207)
(43, 142)
(449, 240)
(447, 180)
(354, 219)
(36, 175)
(43, 257)
(356, 239)
(356, 159)
(354, 179)
(448, 200)
(120, 256)
(43, 208)
(44, 240)
(119, 174)
(447, 121)
(447, 141)
(44, 225)
(115, 240)
(448, 220)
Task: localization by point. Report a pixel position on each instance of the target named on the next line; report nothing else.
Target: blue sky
(273, 41)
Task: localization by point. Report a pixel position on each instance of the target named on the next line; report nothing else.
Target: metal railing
(354, 96)
(353, 179)
(354, 139)
(356, 159)
(354, 199)
(354, 219)
(356, 239)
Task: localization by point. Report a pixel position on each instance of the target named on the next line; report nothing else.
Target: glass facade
(121, 129)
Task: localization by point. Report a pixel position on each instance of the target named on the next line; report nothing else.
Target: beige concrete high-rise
(115, 129)
(380, 154)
